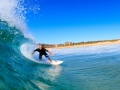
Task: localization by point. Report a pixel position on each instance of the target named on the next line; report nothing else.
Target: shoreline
(85, 45)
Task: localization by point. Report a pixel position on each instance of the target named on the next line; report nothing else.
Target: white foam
(12, 12)
(88, 50)
(27, 49)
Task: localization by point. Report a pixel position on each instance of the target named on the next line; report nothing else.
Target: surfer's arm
(34, 51)
(50, 53)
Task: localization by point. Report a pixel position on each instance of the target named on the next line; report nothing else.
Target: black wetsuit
(42, 52)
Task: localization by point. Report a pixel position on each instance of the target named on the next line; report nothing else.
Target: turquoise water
(84, 68)
(91, 68)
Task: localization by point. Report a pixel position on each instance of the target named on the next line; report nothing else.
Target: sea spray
(11, 11)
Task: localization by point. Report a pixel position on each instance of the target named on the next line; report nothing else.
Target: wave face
(16, 71)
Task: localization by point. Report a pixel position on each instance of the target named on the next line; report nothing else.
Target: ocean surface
(84, 68)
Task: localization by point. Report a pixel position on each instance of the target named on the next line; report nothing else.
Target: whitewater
(84, 68)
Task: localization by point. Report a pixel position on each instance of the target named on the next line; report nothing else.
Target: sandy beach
(95, 44)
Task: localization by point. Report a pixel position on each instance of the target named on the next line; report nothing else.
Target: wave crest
(12, 11)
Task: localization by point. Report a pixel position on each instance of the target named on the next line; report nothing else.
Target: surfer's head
(40, 46)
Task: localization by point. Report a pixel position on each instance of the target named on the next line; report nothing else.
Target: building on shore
(68, 43)
(56, 45)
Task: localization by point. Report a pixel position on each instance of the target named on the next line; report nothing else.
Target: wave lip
(12, 11)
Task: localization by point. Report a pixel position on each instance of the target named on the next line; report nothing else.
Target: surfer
(42, 51)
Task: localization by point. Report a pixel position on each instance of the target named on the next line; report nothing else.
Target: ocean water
(84, 68)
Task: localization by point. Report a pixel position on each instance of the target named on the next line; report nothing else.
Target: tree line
(76, 43)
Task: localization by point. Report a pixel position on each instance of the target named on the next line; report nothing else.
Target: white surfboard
(27, 49)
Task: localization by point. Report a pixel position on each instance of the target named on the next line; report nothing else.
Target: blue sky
(59, 21)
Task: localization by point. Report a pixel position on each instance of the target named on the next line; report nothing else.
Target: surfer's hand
(52, 54)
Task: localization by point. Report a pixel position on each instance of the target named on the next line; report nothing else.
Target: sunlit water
(90, 68)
